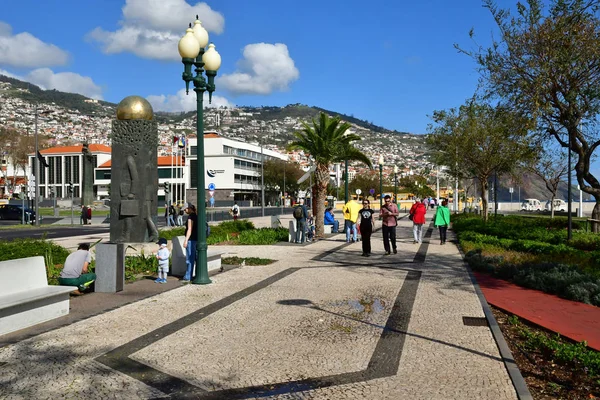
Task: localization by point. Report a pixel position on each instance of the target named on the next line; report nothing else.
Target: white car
(531, 205)
(559, 205)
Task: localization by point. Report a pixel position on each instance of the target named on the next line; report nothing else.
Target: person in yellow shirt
(350, 211)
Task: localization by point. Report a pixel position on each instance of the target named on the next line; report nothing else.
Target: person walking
(417, 213)
(442, 220)
(84, 215)
(350, 211)
(172, 215)
(366, 227)
(179, 216)
(190, 242)
(388, 214)
(167, 219)
(300, 214)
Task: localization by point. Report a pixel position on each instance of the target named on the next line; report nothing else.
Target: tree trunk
(596, 216)
(322, 180)
(484, 198)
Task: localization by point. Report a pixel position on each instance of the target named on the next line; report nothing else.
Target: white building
(64, 167)
(233, 167)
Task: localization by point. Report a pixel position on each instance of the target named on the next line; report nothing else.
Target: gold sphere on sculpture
(134, 107)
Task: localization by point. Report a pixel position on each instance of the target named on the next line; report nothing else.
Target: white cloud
(25, 50)
(152, 28)
(69, 82)
(265, 68)
(182, 102)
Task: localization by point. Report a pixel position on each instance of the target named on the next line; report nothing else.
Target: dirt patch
(546, 378)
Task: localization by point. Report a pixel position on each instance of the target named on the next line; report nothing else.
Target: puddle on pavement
(368, 306)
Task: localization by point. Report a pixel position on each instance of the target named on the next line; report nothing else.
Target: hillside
(76, 118)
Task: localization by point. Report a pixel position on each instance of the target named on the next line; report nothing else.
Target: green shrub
(140, 264)
(23, 248)
(171, 233)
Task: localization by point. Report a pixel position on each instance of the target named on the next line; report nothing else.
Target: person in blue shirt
(329, 219)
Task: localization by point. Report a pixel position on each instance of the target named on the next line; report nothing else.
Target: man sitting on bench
(75, 271)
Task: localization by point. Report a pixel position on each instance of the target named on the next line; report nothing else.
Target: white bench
(178, 265)
(26, 299)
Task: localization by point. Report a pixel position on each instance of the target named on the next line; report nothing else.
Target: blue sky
(388, 62)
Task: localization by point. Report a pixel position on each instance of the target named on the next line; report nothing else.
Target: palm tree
(327, 142)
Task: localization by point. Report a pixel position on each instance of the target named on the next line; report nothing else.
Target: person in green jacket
(442, 220)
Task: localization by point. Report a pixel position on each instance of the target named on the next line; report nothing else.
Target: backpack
(298, 214)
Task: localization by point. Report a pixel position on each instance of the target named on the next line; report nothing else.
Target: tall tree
(551, 166)
(326, 141)
(546, 64)
(282, 173)
(478, 140)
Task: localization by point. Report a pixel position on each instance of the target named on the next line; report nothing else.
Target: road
(51, 232)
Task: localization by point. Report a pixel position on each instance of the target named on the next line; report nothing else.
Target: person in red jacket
(418, 211)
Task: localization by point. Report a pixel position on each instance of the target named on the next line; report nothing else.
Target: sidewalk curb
(509, 362)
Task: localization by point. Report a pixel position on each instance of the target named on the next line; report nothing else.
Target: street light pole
(36, 168)
(262, 181)
(191, 48)
(380, 181)
(346, 198)
(396, 184)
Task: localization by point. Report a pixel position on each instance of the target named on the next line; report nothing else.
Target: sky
(391, 63)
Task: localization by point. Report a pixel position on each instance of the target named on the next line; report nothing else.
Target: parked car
(531, 205)
(559, 205)
(15, 212)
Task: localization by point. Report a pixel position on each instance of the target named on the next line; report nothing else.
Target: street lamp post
(380, 181)
(262, 181)
(191, 48)
(346, 198)
(36, 168)
(396, 184)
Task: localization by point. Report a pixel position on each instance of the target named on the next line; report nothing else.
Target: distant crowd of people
(359, 218)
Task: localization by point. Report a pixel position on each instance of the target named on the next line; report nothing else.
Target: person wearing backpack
(300, 214)
(417, 212)
(235, 211)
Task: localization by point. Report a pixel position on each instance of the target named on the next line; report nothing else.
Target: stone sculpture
(134, 173)
(87, 187)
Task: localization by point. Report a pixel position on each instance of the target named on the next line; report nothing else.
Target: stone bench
(26, 299)
(178, 265)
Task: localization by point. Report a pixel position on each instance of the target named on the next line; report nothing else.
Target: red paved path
(577, 321)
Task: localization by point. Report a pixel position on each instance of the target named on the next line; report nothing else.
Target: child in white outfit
(163, 261)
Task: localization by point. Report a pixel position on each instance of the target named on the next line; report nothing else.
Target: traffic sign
(211, 186)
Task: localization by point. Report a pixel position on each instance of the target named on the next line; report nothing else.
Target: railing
(223, 215)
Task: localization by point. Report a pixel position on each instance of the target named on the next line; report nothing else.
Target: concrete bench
(26, 299)
(178, 265)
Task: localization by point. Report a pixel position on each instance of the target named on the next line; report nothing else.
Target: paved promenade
(320, 323)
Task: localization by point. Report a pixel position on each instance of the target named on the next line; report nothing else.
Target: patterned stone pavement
(320, 323)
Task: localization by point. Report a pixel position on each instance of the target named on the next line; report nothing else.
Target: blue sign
(211, 186)
(372, 191)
